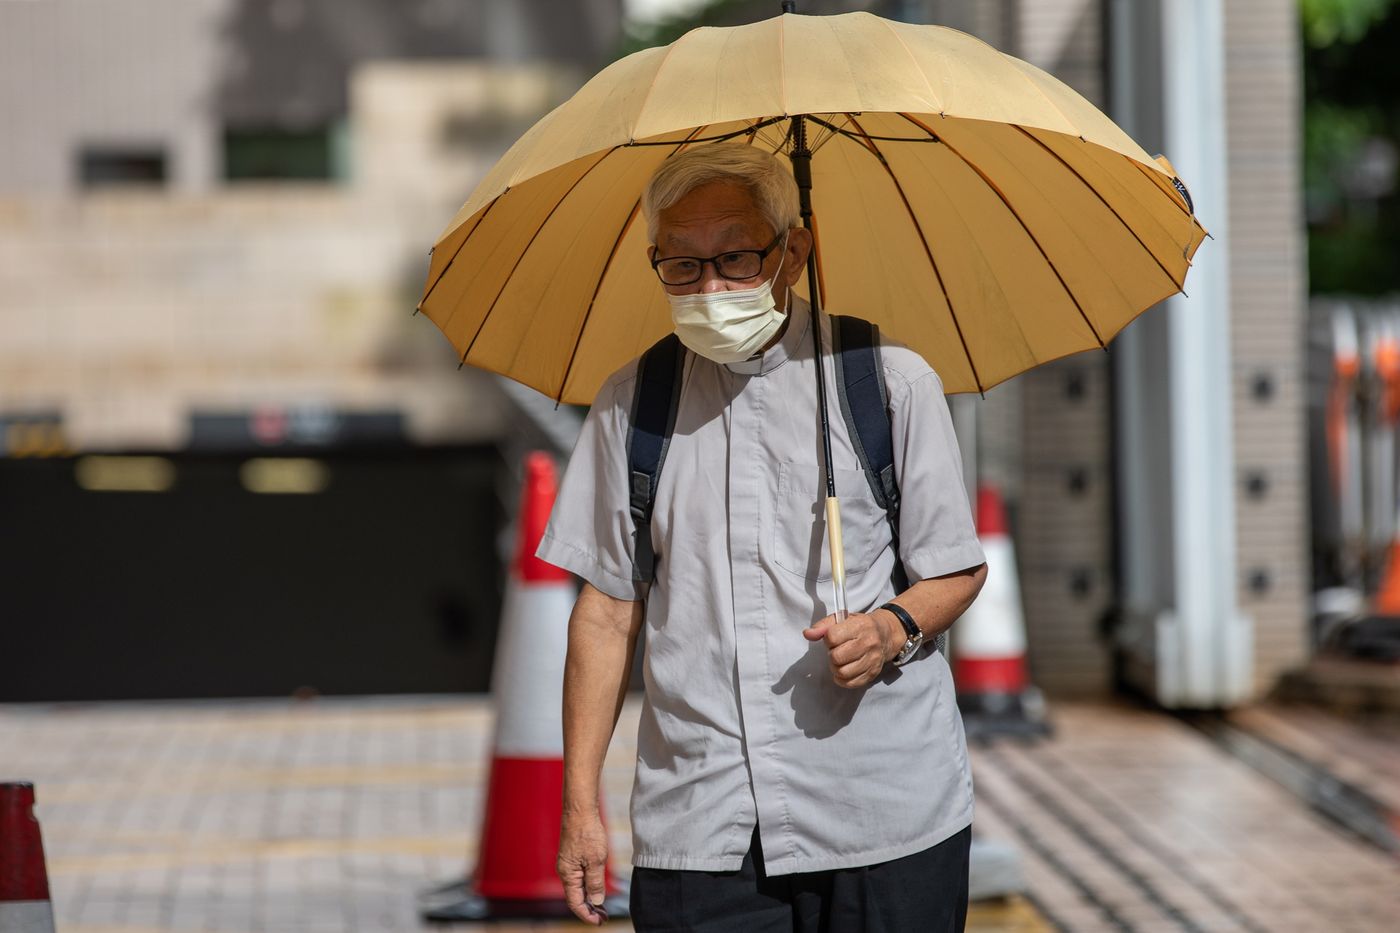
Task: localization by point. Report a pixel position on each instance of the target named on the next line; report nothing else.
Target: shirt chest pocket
(799, 528)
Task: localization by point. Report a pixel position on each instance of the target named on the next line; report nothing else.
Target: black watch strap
(911, 628)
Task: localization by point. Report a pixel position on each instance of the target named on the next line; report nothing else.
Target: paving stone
(331, 815)
(1155, 804)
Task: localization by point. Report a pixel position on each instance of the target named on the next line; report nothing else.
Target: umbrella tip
(789, 6)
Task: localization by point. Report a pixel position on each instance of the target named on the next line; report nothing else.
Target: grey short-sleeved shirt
(742, 721)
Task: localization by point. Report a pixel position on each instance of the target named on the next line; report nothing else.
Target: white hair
(772, 187)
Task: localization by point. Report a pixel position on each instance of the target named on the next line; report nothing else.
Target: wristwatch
(914, 636)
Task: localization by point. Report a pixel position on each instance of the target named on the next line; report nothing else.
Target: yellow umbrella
(968, 203)
(974, 207)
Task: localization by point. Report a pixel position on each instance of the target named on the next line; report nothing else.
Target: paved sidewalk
(1129, 819)
(253, 816)
(329, 815)
(1364, 751)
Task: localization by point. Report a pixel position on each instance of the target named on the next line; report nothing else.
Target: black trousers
(921, 893)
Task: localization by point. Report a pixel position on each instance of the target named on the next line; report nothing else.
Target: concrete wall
(1269, 293)
(126, 310)
(1065, 515)
(168, 75)
(136, 73)
(125, 313)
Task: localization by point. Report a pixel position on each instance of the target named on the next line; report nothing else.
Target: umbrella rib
(1041, 91)
(865, 137)
(520, 257)
(1019, 219)
(665, 56)
(458, 251)
(748, 130)
(1189, 212)
(573, 354)
(778, 147)
(1179, 204)
(913, 60)
(612, 253)
(933, 264)
(1127, 226)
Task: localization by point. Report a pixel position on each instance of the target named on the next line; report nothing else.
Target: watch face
(910, 648)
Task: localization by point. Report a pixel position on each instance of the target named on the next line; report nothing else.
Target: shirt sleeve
(937, 535)
(590, 531)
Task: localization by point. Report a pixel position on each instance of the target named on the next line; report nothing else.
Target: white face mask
(729, 326)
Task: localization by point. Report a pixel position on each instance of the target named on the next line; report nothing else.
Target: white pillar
(1176, 469)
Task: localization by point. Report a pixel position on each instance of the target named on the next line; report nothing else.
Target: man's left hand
(858, 648)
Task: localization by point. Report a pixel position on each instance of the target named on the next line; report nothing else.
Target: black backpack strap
(860, 385)
(655, 400)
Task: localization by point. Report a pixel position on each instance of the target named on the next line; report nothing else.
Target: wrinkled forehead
(717, 211)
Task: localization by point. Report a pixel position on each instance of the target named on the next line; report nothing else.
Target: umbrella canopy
(974, 207)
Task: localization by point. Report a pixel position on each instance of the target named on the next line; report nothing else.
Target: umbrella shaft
(802, 172)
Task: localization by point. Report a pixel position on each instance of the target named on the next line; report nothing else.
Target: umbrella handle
(838, 557)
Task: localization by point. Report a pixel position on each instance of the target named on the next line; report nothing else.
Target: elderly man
(790, 776)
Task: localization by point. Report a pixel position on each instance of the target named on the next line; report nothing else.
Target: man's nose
(711, 280)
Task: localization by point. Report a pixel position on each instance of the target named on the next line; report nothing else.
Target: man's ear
(799, 247)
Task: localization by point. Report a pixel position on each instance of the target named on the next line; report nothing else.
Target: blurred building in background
(214, 217)
(236, 463)
(222, 204)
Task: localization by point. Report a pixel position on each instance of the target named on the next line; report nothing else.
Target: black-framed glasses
(736, 264)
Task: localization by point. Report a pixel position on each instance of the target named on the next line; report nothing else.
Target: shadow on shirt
(820, 707)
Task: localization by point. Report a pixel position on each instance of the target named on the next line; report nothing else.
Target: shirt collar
(799, 317)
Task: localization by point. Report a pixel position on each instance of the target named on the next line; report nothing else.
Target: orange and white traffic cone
(24, 881)
(1374, 636)
(989, 640)
(515, 870)
(1387, 599)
